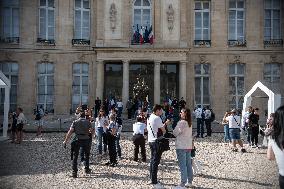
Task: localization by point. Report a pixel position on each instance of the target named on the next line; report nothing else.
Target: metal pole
(59, 124)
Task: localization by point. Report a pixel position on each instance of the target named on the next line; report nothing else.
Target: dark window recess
(10, 40)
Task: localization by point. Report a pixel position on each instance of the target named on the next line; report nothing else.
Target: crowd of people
(105, 125)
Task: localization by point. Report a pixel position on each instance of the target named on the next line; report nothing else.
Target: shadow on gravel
(34, 156)
(234, 180)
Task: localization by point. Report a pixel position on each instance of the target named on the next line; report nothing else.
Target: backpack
(37, 116)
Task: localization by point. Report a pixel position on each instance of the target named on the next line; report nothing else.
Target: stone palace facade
(62, 53)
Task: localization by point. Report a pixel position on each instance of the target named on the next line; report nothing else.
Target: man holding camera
(82, 128)
(153, 124)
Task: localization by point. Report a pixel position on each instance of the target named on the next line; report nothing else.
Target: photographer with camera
(82, 128)
(153, 124)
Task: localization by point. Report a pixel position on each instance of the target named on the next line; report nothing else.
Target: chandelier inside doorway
(140, 89)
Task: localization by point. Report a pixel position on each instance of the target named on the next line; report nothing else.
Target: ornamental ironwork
(237, 43)
(273, 43)
(80, 42)
(46, 41)
(202, 43)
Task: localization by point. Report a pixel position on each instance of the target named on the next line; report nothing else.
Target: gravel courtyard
(44, 163)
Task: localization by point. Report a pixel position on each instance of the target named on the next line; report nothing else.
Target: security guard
(82, 128)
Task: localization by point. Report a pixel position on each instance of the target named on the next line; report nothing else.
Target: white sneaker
(188, 184)
(158, 186)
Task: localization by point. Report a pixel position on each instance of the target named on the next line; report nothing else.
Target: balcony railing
(273, 43)
(80, 42)
(12, 40)
(202, 43)
(237, 43)
(143, 35)
(46, 41)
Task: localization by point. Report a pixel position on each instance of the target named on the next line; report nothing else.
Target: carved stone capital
(157, 62)
(183, 62)
(125, 61)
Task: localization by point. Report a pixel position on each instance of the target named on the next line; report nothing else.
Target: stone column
(100, 79)
(157, 89)
(125, 87)
(182, 79)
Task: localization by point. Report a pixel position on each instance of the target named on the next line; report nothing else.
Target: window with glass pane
(46, 20)
(10, 70)
(272, 23)
(113, 80)
(9, 21)
(202, 20)
(142, 16)
(82, 20)
(45, 86)
(237, 20)
(272, 72)
(202, 84)
(80, 84)
(169, 82)
(236, 85)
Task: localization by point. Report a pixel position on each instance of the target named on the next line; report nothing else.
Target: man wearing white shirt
(153, 124)
(234, 130)
(138, 138)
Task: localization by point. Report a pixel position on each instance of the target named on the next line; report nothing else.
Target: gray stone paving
(44, 163)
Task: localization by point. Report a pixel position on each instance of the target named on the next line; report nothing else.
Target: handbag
(162, 142)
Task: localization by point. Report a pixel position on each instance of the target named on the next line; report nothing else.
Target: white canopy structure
(5, 83)
(274, 100)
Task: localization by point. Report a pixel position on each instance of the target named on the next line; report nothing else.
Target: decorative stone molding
(237, 59)
(170, 17)
(8, 56)
(203, 59)
(45, 57)
(273, 58)
(112, 17)
(81, 57)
